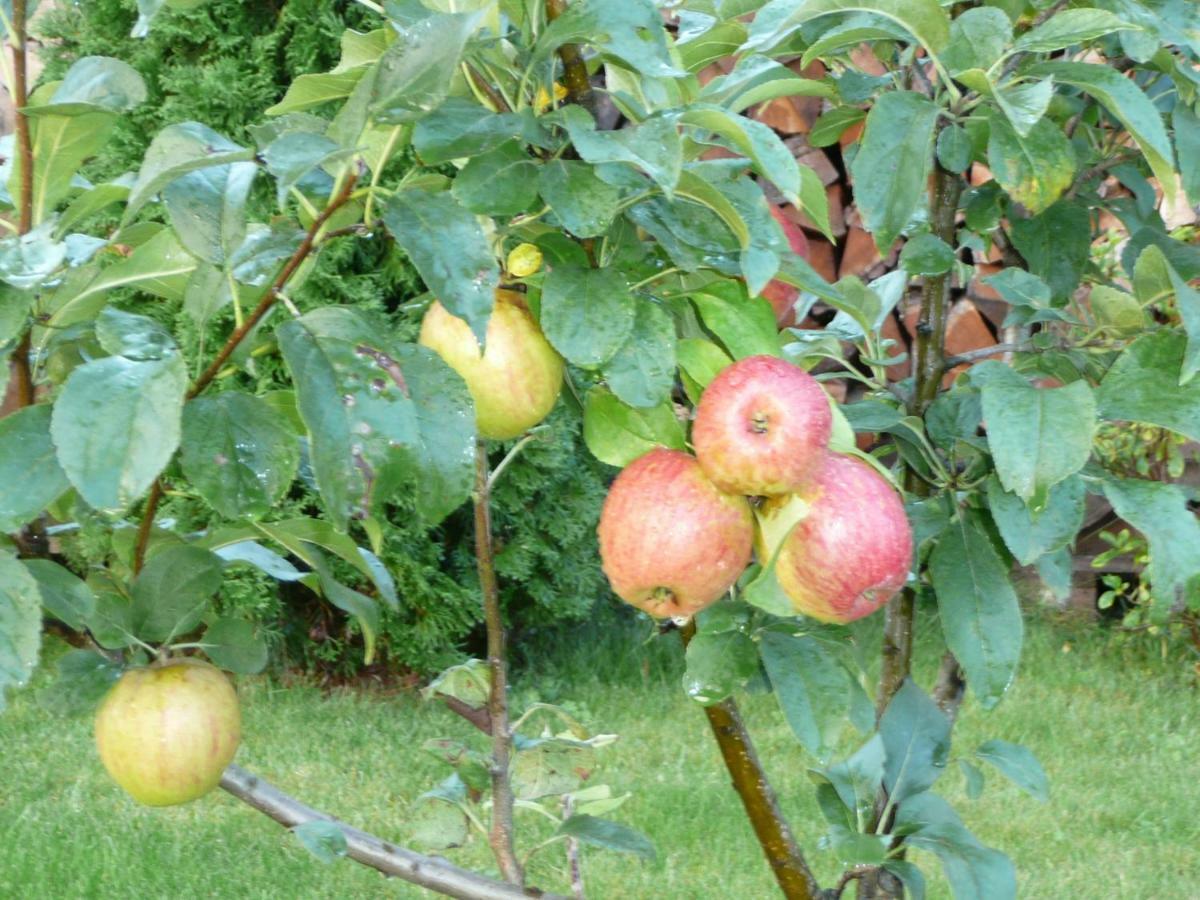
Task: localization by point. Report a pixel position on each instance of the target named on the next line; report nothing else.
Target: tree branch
(950, 686)
(21, 125)
(477, 716)
(758, 797)
(500, 835)
(427, 871)
(575, 74)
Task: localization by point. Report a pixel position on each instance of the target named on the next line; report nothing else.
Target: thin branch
(848, 876)
(477, 716)
(971, 356)
(146, 525)
(499, 104)
(430, 872)
(500, 835)
(950, 687)
(774, 835)
(21, 126)
(510, 456)
(576, 870)
(575, 74)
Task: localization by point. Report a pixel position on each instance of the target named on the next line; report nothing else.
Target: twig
(146, 525)
(795, 879)
(573, 865)
(477, 716)
(575, 74)
(499, 104)
(500, 835)
(509, 457)
(950, 687)
(430, 872)
(21, 126)
(848, 876)
(971, 356)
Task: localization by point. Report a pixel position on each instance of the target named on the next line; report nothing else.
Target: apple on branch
(515, 381)
(671, 542)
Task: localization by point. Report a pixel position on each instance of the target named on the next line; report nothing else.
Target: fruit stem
(500, 835)
(795, 879)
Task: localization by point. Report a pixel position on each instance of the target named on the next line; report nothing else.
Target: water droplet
(349, 400)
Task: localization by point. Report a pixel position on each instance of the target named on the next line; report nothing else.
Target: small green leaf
(1143, 385)
(81, 679)
(1070, 27)
(324, 840)
(173, 591)
(584, 204)
(973, 778)
(1187, 144)
(973, 870)
(653, 146)
(745, 326)
(717, 665)
(587, 314)
(1030, 537)
(618, 434)
(234, 644)
(1035, 169)
(927, 254)
(916, 741)
(1056, 243)
(64, 595)
(94, 83)
(642, 371)
(415, 72)
(954, 150)
(175, 151)
(20, 624)
(30, 476)
(978, 38)
(811, 686)
(924, 19)
(608, 835)
(501, 182)
(1018, 765)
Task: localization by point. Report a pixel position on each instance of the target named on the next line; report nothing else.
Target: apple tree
(592, 218)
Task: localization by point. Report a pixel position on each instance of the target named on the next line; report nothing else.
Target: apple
(844, 543)
(671, 543)
(761, 425)
(167, 732)
(781, 295)
(515, 381)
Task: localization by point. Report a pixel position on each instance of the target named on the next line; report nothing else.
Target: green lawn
(1115, 726)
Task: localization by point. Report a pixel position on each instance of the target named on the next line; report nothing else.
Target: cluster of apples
(677, 531)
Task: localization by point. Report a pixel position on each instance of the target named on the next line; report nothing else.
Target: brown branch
(21, 126)
(848, 876)
(950, 686)
(573, 864)
(575, 74)
(500, 835)
(146, 525)
(477, 716)
(430, 872)
(758, 797)
(289, 269)
(499, 104)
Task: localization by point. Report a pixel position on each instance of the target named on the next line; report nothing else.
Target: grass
(1115, 726)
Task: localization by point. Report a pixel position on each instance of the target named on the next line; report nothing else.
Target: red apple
(781, 295)
(166, 733)
(516, 380)
(671, 543)
(846, 542)
(761, 425)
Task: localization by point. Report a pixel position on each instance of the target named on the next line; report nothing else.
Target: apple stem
(575, 74)
(500, 835)
(795, 879)
(430, 872)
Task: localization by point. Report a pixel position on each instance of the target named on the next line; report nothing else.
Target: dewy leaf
(924, 19)
(1018, 765)
(293, 156)
(29, 260)
(891, 165)
(1160, 512)
(1034, 169)
(757, 142)
(981, 617)
(916, 742)
(1056, 244)
(30, 476)
(1069, 27)
(1038, 436)
(416, 70)
(1030, 537)
(587, 314)
(654, 146)
(20, 624)
(810, 685)
(746, 328)
(237, 453)
(606, 834)
(629, 32)
(1125, 100)
(448, 248)
(975, 872)
(378, 415)
(717, 665)
(642, 371)
(173, 591)
(94, 83)
(583, 203)
(175, 151)
(501, 182)
(1143, 385)
(207, 209)
(618, 434)
(116, 425)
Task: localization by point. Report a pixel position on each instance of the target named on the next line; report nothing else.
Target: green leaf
(746, 327)
(266, 561)
(699, 362)
(173, 591)
(116, 425)
(64, 595)
(448, 248)
(587, 314)
(653, 146)
(1030, 537)
(1070, 27)
(1116, 311)
(924, 19)
(583, 203)
(20, 624)
(501, 182)
(359, 605)
(237, 453)
(30, 476)
(891, 165)
(973, 778)
(754, 140)
(851, 32)
(1018, 765)
(856, 782)
(1056, 243)
(975, 872)
(234, 644)
(916, 743)
(981, 617)
(1143, 385)
(461, 128)
(1125, 100)
(81, 679)
(978, 38)
(415, 72)
(94, 83)
(1020, 288)
(324, 840)
(608, 835)
(550, 767)
(954, 150)
(297, 534)
(1035, 169)
(314, 89)
(207, 209)
(175, 151)
(811, 686)
(618, 434)
(1187, 301)
(1187, 143)
(1160, 512)
(717, 665)
(828, 129)
(910, 876)
(642, 371)
(629, 32)
(378, 415)
(927, 254)
(1025, 104)
(29, 260)
(1038, 436)
(756, 79)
